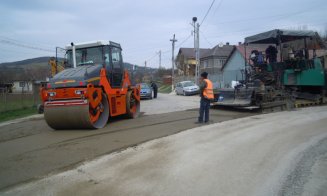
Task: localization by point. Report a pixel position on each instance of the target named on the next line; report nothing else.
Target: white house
(22, 87)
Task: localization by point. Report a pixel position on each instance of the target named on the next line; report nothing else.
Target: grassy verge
(165, 89)
(13, 114)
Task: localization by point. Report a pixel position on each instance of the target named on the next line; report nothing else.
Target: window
(86, 56)
(189, 83)
(21, 84)
(221, 62)
(116, 57)
(205, 64)
(107, 58)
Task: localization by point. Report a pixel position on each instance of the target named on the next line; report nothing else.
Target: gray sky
(33, 28)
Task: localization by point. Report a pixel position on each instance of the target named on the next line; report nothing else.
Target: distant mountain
(39, 69)
(40, 61)
(35, 62)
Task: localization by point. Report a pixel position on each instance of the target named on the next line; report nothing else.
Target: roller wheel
(99, 113)
(132, 105)
(94, 114)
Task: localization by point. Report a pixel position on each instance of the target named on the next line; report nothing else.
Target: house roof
(189, 52)
(222, 51)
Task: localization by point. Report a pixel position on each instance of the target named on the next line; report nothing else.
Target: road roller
(92, 88)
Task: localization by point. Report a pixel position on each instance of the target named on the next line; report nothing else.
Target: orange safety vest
(208, 91)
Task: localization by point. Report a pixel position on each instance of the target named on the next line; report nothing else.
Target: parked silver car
(146, 91)
(187, 88)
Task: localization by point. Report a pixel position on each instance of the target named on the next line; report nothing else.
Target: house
(234, 67)
(167, 79)
(185, 60)
(213, 60)
(22, 86)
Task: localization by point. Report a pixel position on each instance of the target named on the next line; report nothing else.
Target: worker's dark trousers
(155, 92)
(204, 110)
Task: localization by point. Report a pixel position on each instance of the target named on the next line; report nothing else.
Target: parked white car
(187, 88)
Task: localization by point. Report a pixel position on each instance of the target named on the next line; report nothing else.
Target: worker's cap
(204, 74)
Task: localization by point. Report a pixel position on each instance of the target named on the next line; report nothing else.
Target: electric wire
(205, 16)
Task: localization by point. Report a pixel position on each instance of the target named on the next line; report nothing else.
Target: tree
(323, 34)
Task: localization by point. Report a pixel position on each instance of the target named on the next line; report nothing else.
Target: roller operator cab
(92, 89)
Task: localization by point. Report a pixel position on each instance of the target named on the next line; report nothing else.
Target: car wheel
(184, 93)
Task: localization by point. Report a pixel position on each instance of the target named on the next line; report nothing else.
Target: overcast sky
(33, 28)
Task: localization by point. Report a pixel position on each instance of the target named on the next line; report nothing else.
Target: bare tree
(324, 34)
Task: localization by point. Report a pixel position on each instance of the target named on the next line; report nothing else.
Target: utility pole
(172, 62)
(198, 53)
(196, 48)
(159, 59)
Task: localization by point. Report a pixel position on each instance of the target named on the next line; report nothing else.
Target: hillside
(35, 69)
(40, 61)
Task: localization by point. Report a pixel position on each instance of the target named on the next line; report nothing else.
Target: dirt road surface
(274, 154)
(30, 150)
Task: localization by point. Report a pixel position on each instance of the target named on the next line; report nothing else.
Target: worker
(206, 94)
(271, 54)
(155, 89)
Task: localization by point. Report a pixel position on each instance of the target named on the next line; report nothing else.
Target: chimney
(227, 43)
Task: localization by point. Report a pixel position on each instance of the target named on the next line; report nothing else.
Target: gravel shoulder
(273, 154)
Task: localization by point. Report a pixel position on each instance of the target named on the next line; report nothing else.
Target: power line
(27, 43)
(30, 52)
(221, 1)
(24, 46)
(149, 59)
(249, 30)
(185, 40)
(278, 17)
(205, 16)
(205, 38)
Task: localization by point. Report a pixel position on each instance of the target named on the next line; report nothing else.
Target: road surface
(30, 150)
(281, 153)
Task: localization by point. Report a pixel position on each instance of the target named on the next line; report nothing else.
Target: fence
(17, 101)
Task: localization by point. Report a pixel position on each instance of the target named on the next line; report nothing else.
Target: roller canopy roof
(272, 37)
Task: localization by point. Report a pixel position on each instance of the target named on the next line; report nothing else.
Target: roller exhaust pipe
(74, 54)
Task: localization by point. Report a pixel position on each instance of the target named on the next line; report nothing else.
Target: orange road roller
(92, 88)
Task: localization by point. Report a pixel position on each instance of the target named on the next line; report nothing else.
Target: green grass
(12, 102)
(165, 89)
(13, 114)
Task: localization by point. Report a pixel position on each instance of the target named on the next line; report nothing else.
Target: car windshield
(186, 84)
(144, 86)
(86, 56)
